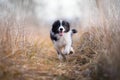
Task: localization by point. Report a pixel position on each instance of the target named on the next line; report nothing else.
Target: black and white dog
(61, 36)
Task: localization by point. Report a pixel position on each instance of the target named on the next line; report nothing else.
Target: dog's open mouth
(61, 33)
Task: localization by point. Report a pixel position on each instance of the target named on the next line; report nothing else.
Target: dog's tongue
(61, 33)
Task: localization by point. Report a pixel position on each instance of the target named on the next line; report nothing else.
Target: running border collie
(61, 36)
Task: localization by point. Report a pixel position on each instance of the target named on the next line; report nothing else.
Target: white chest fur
(63, 40)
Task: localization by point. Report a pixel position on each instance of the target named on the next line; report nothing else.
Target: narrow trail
(48, 68)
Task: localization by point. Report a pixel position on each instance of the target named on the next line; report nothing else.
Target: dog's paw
(66, 52)
(71, 51)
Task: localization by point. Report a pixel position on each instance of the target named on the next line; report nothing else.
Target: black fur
(53, 37)
(66, 25)
(55, 27)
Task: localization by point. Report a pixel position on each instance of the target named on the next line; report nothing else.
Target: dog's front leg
(71, 50)
(67, 49)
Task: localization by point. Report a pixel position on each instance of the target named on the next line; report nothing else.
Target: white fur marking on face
(61, 32)
(60, 21)
(62, 28)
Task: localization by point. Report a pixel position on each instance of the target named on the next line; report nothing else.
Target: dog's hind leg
(61, 57)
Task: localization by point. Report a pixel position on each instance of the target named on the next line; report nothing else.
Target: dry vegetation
(25, 55)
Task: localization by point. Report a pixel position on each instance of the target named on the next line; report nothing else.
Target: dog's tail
(74, 31)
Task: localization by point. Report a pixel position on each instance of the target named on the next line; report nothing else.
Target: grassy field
(33, 57)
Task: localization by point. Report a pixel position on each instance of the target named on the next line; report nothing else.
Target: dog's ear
(55, 26)
(66, 25)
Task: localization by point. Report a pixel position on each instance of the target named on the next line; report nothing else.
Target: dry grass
(33, 57)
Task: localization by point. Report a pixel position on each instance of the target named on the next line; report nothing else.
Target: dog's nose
(61, 29)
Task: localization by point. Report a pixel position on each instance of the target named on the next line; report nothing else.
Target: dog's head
(60, 27)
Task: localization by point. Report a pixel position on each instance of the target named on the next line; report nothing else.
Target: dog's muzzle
(61, 32)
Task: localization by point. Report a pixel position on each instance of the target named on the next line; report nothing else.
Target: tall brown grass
(22, 48)
(107, 62)
(101, 38)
